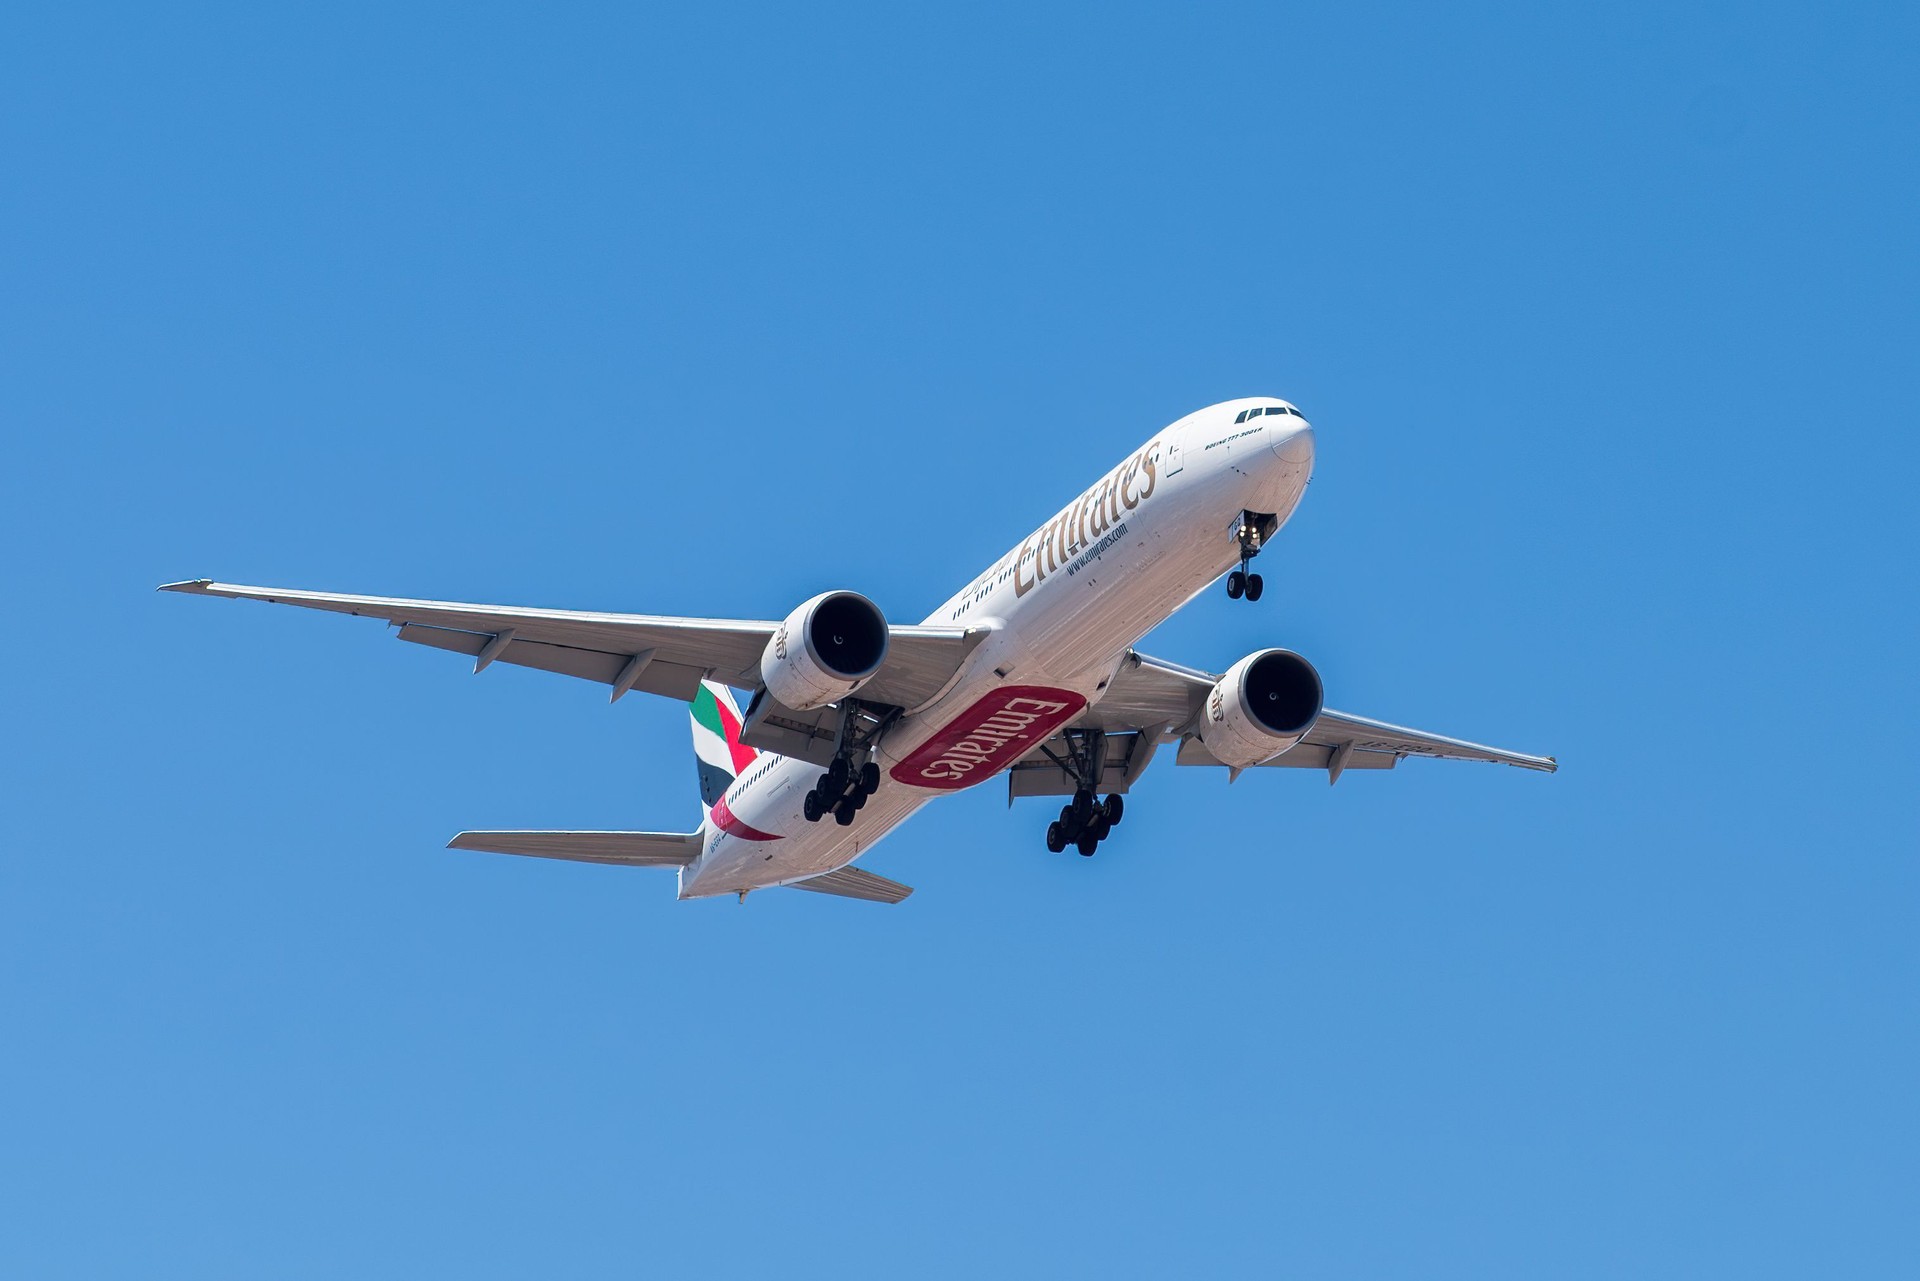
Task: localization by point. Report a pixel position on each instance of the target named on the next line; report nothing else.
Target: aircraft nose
(1292, 446)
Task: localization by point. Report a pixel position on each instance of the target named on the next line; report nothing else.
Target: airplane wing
(666, 656)
(1150, 701)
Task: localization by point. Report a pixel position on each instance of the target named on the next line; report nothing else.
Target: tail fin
(717, 748)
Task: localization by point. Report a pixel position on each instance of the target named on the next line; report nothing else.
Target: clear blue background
(1605, 316)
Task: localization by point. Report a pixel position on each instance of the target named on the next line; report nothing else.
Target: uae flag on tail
(717, 748)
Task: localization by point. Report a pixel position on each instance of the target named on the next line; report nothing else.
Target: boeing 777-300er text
(1030, 671)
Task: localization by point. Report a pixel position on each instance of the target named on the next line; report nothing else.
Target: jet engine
(824, 651)
(1263, 705)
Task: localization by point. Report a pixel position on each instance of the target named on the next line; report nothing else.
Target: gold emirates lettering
(1099, 523)
(1085, 519)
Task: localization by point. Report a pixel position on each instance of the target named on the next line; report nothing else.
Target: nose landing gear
(1252, 533)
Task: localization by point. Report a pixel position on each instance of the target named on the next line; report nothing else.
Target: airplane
(1029, 671)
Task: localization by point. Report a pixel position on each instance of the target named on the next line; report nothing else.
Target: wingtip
(195, 585)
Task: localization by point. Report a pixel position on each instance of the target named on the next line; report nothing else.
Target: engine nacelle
(827, 649)
(1263, 705)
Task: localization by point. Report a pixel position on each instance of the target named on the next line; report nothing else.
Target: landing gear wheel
(839, 773)
(843, 813)
(1056, 839)
(1082, 807)
(857, 799)
(870, 777)
(812, 808)
(1115, 807)
(1099, 828)
(1255, 529)
(1088, 844)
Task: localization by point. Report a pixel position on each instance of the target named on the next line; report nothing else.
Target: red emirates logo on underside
(989, 736)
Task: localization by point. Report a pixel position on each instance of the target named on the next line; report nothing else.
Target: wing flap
(671, 680)
(851, 882)
(1302, 756)
(624, 849)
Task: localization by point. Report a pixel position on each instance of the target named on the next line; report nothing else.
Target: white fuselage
(1062, 608)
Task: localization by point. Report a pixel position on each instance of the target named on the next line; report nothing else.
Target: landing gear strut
(1085, 820)
(1252, 533)
(844, 789)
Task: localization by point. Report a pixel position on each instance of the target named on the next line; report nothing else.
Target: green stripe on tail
(722, 757)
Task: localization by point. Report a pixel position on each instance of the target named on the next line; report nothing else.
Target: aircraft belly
(1060, 643)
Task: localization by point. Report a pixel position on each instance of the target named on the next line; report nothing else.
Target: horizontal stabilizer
(851, 882)
(628, 849)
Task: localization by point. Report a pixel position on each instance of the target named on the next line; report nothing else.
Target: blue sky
(1605, 318)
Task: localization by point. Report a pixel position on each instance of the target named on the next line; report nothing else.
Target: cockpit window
(1241, 416)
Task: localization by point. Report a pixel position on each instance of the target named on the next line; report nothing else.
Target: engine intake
(1263, 705)
(825, 650)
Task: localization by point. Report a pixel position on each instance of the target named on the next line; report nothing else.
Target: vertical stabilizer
(717, 748)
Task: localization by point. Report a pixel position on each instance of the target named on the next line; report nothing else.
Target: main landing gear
(842, 791)
(1085, 820)
(1252, 533)
(845, 788)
